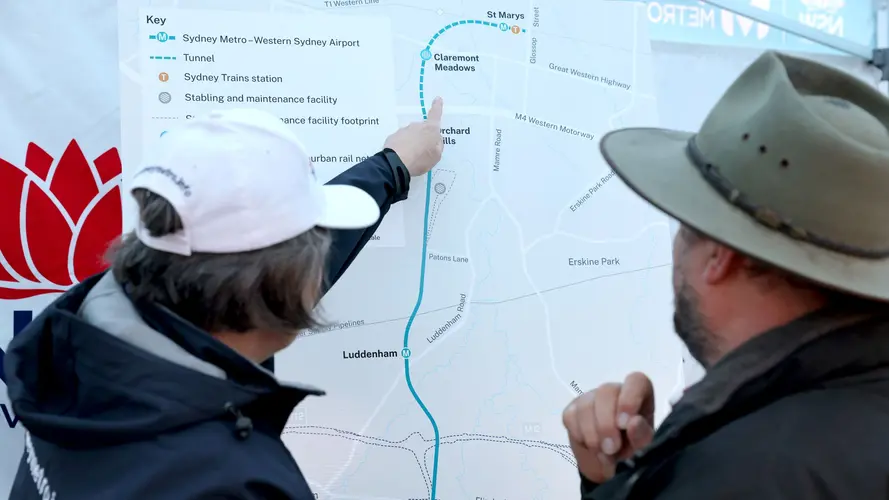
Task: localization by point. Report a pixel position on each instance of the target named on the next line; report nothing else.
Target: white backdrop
(59, 83)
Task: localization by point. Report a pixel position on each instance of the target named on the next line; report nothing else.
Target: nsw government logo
(57, 219)
(690, 21)
(825, 15)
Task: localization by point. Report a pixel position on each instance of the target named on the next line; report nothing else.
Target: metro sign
(727, 21)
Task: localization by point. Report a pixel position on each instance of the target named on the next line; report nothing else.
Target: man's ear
(722, 263)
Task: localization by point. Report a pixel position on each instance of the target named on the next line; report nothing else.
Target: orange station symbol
(163, 76)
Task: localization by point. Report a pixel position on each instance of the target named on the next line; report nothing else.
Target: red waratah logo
(58, 219)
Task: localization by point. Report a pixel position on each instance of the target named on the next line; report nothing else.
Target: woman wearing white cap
(146, 382)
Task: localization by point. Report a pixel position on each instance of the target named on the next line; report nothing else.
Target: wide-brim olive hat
(791, 167)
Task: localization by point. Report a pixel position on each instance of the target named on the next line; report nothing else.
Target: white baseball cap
(240, 180)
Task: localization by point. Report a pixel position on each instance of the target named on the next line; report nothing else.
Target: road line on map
(510, 299)
(494, 302)
(539, 295)
(633, 84)
(425, 55)
(564, 234)
(527, 62)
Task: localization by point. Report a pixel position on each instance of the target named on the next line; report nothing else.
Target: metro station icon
(161, 37)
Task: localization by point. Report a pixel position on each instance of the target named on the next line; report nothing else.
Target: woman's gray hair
(272, 289)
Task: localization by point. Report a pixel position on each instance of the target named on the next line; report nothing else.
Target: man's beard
(689, 325)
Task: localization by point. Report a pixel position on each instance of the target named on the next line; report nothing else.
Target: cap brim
(347, 207)
(654, 163)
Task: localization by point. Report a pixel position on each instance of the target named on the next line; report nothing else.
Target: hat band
(767, 216)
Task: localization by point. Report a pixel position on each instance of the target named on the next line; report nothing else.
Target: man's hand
(419, 144)
(609, 424)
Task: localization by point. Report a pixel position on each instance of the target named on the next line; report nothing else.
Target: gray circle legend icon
(439, 188)
(164, 97)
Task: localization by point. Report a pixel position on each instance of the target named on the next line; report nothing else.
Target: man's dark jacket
(122, 400)
(801, 412)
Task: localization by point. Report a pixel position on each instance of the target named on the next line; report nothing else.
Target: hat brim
(347, 207)
(654, 163)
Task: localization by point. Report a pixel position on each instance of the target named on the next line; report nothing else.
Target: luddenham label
(365, 354)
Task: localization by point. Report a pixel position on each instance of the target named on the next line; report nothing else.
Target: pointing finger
(434, 114)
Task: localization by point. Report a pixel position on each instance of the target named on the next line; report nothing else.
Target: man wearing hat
(781, 277)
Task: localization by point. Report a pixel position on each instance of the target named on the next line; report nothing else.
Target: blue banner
(690, 21)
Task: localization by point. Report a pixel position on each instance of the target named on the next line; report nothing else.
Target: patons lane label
(365, 354)
(448, 258)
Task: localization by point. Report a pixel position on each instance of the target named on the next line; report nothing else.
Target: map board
(519, 273)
